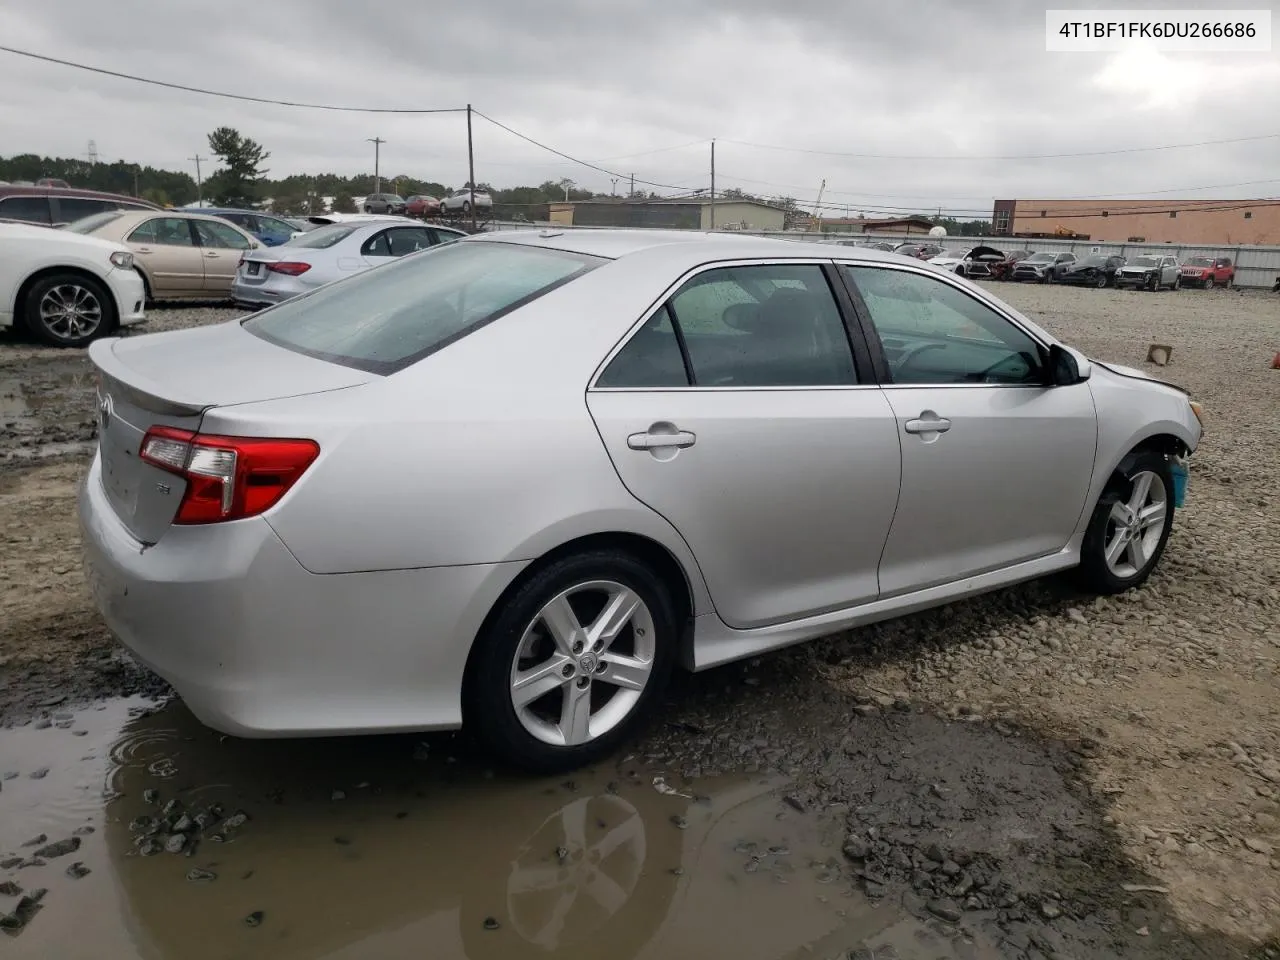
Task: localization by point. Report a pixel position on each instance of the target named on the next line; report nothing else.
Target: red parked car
(1003, 269)
(420, 205)
(1208, 272)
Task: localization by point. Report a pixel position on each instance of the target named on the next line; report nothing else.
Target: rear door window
(71, 209)
(30, 209)
(220, 236)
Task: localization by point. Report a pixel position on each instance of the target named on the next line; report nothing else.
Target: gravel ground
(1059, 745)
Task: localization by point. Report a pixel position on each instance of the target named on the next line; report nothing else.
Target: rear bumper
(258, 647)
(275, 289)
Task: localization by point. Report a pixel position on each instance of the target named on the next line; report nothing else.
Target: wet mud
(188, 844)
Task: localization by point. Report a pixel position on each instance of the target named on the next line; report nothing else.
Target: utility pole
(713, 183)
(377, 178)
(613, 190)
(632, 192)
(199, 181)
(471, 169)
(135, 181)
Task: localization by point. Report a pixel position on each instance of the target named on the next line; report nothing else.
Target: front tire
(572, 662)
(1130, 526)
(1101, 282)
(69, 310)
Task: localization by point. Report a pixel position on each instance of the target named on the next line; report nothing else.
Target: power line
(1024, 156)
(228, 96)
(584, 163)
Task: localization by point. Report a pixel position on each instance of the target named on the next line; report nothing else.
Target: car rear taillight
(291, 267)
(228, 478)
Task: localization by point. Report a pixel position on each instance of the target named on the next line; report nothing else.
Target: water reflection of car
(1208, 272)
(1042, 267)
(425, 852)
(1096, 270)
(267, 277)
(1150, 272)
(974, 262)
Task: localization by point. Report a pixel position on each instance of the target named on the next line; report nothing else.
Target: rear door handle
(651, 441)
(210, 254)
(934, 425)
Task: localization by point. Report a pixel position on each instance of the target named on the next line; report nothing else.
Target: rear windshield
(384, 319)
(321, 238)
(92, 222)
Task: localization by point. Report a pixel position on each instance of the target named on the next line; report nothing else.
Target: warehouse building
(1206, 222)
(691, 214)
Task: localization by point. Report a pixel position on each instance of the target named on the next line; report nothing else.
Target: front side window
(220, 235)
(273, 229)
(383, 320)
(166, 231)
(933, 333)
(71, 209)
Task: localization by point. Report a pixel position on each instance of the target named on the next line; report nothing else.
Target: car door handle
(934, 425)
(651, 440)
(211, 255)
(141, 249)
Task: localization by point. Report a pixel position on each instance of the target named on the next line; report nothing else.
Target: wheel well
(19, 303)
(657, 557)
(1162, 443)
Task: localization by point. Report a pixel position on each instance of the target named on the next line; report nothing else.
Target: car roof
(697, 246)
(10, 190)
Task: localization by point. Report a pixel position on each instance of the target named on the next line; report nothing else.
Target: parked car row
(424, 207)
(1150, 272)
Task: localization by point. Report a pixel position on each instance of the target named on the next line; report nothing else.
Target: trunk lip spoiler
(144, 393)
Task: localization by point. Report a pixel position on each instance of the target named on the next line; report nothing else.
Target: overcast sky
(640, 87)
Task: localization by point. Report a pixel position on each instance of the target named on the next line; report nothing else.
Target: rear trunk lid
(172, 379)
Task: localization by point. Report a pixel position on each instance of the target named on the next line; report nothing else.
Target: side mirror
(1067, 366)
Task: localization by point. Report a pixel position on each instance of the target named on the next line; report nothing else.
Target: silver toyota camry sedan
(512, 482)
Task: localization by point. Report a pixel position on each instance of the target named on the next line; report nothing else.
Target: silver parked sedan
(273, 274)
(511, 482)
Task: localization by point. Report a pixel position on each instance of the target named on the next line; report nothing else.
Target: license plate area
(253, 269)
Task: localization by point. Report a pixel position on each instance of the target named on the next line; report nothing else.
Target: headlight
(122, 259)
(1198, 409)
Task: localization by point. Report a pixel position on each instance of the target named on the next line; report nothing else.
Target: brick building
(1207, 222)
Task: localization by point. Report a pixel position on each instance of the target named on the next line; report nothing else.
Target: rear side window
(651, 358)
(30, 209)
(383, 320)
(71, 209)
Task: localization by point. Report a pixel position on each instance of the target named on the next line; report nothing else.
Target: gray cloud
(603, 79)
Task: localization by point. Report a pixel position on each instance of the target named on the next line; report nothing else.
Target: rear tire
(1141, 544)
(1101, 282)
(525, 641)
(69, 310)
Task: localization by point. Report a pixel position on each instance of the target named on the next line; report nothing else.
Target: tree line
(241, 179)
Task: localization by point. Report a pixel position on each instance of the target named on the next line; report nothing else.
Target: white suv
(460, 202)
(65, 288)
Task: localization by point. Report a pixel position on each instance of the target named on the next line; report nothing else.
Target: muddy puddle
(389, 847)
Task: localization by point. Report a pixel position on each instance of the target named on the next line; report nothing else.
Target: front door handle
(210, 254)
(656, 438)
(934, 424)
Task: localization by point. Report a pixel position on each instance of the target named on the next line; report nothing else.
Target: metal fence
(1255, 266)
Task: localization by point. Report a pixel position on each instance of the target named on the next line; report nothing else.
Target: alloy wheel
(70, 311)
(583, 663)
(1135, 526)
